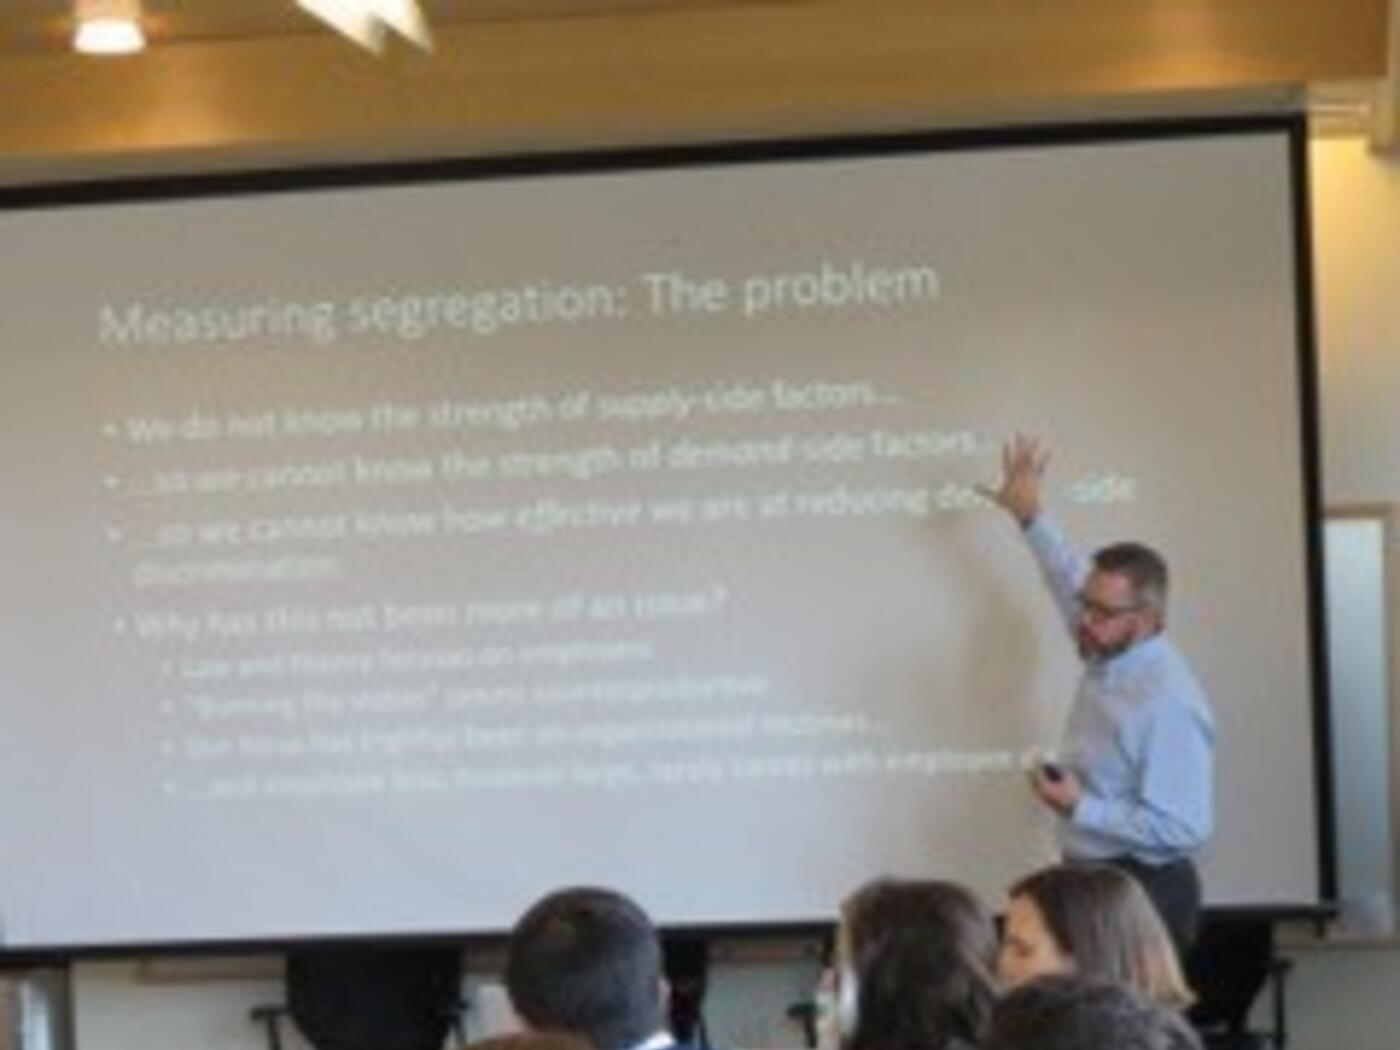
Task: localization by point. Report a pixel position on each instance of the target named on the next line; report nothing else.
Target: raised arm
(1023, 463)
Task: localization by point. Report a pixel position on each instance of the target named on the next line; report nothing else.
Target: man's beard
(1095, 652)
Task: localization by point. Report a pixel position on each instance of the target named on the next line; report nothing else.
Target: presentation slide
(377, 558)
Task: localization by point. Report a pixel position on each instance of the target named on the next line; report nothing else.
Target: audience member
(1095, 921)
(915, 964)
(587, 962)
(1072, 1013)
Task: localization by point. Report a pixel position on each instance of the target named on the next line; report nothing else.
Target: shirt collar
(1134, 657)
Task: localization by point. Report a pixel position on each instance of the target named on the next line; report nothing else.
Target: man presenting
(1133, 786)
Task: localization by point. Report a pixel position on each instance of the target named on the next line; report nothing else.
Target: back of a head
(1073, 1013)
(587, 961)
(921, 957)
(1106, 923)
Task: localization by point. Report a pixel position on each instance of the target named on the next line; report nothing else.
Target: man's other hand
(1061, 793)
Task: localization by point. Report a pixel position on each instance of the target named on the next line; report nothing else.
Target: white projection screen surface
(378, 557)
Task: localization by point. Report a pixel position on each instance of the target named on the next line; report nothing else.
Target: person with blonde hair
(531, 1039)
(1094, 921)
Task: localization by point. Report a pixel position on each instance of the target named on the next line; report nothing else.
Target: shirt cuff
(1089, 813)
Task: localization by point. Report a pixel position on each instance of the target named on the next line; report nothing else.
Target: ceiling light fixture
(367, 21)
(107, 27)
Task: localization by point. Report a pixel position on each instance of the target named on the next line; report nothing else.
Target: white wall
(1357, 625)
(206, 1004)
(1343, 998)
(1356, 221)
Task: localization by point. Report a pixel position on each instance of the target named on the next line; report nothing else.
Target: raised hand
(1023, 463)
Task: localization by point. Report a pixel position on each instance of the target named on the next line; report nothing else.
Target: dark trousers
(1175, 889)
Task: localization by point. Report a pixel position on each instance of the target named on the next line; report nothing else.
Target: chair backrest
(1228, 967)
(686, 961)
(374, 997)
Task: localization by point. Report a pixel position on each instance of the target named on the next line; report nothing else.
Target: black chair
(687, 967)
(1231, 963)
(370, 997)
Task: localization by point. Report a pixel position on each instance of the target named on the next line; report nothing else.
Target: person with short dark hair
(915, 964)
(1072, 1013)
(1133, 785)
(587, 961)
(1091, 920)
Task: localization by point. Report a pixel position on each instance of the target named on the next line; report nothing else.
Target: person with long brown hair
(1095, 921)
(915, 967)
(1075, 1013)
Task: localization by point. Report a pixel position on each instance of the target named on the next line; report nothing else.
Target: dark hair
(1071, 1013)
(922, 955)
(587, 961)
(1102, 919)
(1145, 569)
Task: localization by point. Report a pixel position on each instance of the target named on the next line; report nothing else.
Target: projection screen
(379, 554)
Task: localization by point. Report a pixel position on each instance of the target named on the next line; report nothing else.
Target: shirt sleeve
(1172, 809)
(1063, 567)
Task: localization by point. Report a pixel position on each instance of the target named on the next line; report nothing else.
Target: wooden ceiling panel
(248, 82)
(46, 25)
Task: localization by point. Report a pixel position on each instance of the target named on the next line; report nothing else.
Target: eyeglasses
(1099, 612)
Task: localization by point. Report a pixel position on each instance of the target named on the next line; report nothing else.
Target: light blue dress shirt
(1140, 737)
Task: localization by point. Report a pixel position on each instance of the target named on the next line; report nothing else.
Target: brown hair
(1071, 1013)
(922, 955)
(1102, 919)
